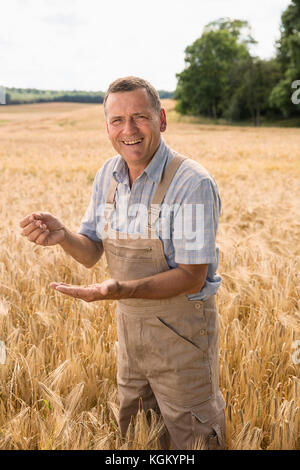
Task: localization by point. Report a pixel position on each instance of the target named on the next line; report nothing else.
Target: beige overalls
(167, 350)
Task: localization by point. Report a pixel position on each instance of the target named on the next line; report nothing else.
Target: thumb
(104, 289)
(37, 215)
(108, 286)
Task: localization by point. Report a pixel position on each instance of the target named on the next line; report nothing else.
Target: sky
(86, 44)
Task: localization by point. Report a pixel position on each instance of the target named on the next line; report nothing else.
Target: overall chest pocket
(130, 252)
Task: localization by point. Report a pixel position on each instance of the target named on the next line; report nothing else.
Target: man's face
(134, 126)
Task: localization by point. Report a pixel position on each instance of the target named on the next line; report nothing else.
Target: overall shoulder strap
(110, 198)
(166, 179)
(162, 188)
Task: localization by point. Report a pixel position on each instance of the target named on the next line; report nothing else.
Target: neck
(134, 173)
(135, 170)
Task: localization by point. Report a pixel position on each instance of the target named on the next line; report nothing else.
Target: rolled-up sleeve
(195, 225)
(89, 225)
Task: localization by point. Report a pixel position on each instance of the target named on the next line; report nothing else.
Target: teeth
(132, 142)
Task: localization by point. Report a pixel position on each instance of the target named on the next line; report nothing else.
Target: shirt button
(198, 306)
(202, 332)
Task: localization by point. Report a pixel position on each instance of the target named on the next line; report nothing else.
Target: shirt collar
(120, 172)
(153, 170)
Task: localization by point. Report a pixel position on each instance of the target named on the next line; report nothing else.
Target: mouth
(132, 142)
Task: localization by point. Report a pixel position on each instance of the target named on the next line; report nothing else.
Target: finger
(33, 226)
(32, 237)
(41, 215)
(27, 220)
(31, 219)
(42, 239)
(28, 229)
(70, 290)
(55, 284)
(38, 215)
(78, 292)
(40, 224)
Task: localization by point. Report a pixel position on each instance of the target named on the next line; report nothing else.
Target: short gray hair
(133, 83)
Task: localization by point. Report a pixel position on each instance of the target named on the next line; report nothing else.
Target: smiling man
(164, 281)
(133, 128)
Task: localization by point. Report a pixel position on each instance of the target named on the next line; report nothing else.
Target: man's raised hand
(43, 229)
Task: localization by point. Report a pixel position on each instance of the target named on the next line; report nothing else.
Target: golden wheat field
(58, 385)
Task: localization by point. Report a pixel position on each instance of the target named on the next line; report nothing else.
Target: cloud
(6, 43)
(86, 44)
(65, 20)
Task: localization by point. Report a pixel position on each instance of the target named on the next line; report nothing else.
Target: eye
(141, 117)
(116, 121)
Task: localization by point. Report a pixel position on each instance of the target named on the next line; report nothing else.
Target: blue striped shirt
(189, 216)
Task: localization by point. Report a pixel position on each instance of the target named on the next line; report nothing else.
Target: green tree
(205, 85)
(239, 29)
(288, 56)
(165, 94)
(251, 96)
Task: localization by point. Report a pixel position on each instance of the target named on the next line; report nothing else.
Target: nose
(130, 127)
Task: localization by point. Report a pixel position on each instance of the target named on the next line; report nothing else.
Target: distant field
(58, 386)
(44, 108)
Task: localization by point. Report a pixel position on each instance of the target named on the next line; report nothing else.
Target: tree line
(34, 95)
(221, 78)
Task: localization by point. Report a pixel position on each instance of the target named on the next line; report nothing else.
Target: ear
(163, 120)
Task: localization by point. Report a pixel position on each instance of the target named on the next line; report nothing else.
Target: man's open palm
(109, 289)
